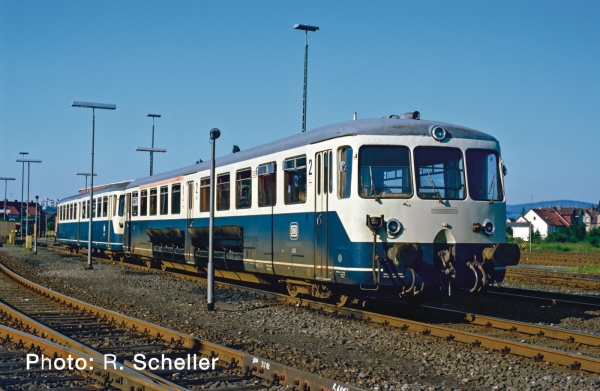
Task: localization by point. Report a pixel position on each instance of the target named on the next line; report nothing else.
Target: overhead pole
(152, 152)
(22, 188)
(5, 187)
(210, 299)
(306, 28)
(92, 106)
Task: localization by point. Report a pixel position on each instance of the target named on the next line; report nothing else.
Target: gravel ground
(367, 355)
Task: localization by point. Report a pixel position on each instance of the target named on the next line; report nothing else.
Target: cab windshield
(384, 172)
(440, 173)
(484, 175)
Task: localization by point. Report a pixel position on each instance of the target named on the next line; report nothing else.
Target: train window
(114, 205)
(104, 206)
(384, 172)
(267, 184)
(440, 173)
(134, 203)
(483, 175)
(204, 194)
(294, 177)
(121, 205)
(325, 172)
(330, 172)
(71, 212)
(94, 207)
(345, 172)
(87, 212)
(75, 211)
(318, 167)
(143, 202)
(164, 200)
(153, 202)
(223, 195)
(83, 210)
(176, 198)
(243, 189)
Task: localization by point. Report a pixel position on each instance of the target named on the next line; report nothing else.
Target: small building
(544, 220)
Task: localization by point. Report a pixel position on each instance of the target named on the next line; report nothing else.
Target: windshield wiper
(373, 184)
(434, 188)
(492, 188)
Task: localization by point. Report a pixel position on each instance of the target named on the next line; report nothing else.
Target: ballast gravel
(369, 356)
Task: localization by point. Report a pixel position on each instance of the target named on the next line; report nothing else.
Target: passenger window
(223, 192)
(134, 203)
(345, 172)
(267, 184)
(153, 201)
(114, 209)
(164, 200)
(176, 198)
(87, 213)
(294, 174)
(243, 189)
(95, 205)
(104, 206)
(204, 194)
(75, 211)
(318, 174)
(83, 210)
(325, 172)
(71, 212)
(143, 202)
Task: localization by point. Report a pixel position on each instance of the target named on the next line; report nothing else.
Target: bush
(593, 236)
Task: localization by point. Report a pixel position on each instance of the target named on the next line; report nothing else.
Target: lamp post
(35, 226)
(306, 28)
(152, 152)
(92, 106)
(22, 186)
(214, 135)
(87, 174)
(28, 161)
(5, 187)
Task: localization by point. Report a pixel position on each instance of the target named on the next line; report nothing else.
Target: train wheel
(292, 290)
(344, 301)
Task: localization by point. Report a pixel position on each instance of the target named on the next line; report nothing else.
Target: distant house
(520, 228)
(544, 220)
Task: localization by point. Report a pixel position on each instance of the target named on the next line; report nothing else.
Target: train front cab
(430, 215)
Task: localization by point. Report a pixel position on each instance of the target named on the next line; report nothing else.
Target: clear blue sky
(527, 72)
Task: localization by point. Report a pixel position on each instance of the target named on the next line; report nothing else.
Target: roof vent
(411, 115)
(393, 116)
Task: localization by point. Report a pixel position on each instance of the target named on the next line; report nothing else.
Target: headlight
(488, 227)
(438, 133)
(393, 227)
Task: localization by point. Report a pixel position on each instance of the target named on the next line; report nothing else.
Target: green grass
(590, 268)
(580, 247)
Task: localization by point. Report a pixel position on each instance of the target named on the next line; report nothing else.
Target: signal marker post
(210, 289)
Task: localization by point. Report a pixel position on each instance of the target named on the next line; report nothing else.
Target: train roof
(374, 127)
(99, 190)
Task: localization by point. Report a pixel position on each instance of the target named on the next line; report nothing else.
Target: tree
(199, 161)
(536, 237)
(235, 149)
(523, 211)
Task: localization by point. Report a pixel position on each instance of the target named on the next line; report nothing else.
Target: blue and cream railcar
(107, 210)
(380, 206)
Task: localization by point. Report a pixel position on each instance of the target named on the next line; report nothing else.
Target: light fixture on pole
(210, 299)
(306, 28)
(152, 152)
(87, 174)
(28, 161)
(22, 187)
(35, 226)
(93, 106)
(5, 187)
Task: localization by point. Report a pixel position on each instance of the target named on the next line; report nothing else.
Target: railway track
(576, 280)
(551, 298)
(558, 259)
(578, 351)
(141, 355)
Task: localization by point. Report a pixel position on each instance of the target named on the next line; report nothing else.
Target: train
(386, 207)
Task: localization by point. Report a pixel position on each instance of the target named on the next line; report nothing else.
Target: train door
(323, 184)
(127, 229)
(189, 248)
